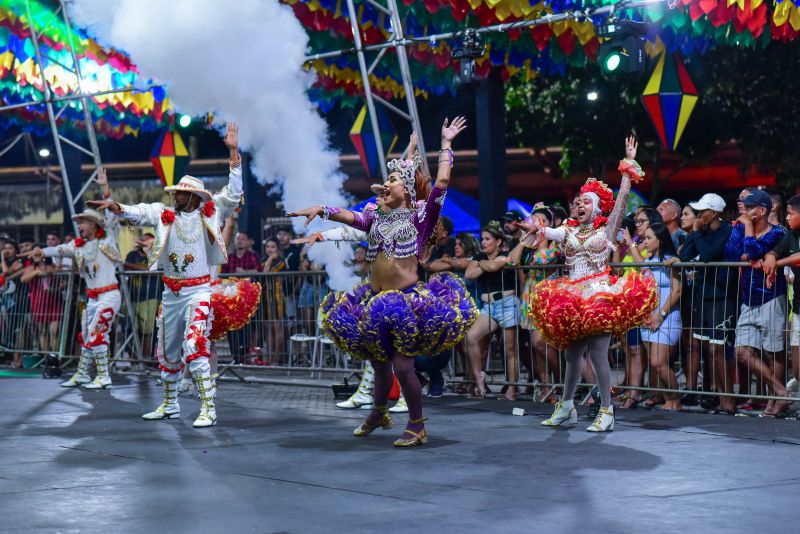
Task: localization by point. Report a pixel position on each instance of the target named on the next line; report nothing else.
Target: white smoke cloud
(242, 60)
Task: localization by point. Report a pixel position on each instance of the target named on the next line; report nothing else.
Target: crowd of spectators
(721, 329)
(31, 297)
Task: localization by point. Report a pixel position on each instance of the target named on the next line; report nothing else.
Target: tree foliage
(745, 95)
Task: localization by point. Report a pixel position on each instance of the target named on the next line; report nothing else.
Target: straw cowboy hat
(190, 184)
(92, 215)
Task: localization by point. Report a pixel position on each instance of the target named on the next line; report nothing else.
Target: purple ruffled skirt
(426, 318)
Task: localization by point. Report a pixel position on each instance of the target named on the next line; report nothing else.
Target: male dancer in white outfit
(187, 247)
(96, 257)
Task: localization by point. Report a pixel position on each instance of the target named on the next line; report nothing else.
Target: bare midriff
(393, 273)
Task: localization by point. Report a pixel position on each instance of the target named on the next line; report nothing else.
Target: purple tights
(409, 384)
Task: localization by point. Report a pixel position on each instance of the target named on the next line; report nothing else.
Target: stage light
(467, 51)
(44, 153)
(592, 96)
(622, 48)
(185, 121)
(613, 60)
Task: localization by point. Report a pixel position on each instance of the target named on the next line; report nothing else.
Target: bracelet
(634, 245)
(479, 265)
(449, 153)
(327, 211)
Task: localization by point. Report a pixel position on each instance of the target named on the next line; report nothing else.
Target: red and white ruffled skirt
(234, 301)
(565, 310)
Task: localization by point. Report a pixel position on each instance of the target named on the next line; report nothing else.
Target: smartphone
(620, 236)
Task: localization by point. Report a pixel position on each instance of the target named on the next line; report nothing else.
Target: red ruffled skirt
(234, 302)
(565, 310)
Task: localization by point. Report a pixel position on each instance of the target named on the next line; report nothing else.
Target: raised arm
(229, 198)
(630, 171)
(449, 132)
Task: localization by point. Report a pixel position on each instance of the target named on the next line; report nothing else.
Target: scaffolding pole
(410, 114)
(399, 42)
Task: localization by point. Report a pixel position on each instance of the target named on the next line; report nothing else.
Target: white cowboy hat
(190, 184)
(92, 215)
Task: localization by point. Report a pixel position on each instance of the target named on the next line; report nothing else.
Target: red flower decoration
(167, 216)
(572, 222)
(599, 221)
(100, 234)
(601, 190)
(208, 208)
(632, 169)
(79, 242)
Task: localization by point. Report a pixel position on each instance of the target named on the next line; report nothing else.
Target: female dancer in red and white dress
(580, 312)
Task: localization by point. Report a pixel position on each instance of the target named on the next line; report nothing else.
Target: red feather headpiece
(600, 189)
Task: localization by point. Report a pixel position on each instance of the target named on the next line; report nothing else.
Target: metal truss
(396, 34)
(57, 105)
(399, 42)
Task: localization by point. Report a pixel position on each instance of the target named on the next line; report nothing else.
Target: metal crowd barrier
(285, 334)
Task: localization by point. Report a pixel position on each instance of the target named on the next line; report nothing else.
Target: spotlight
(185, 121)
(622, 49)
(44, 153)
(613, 60)
(591, 96)
(467, 51)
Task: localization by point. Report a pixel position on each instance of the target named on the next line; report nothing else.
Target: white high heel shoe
(564, 415)
(604, 422)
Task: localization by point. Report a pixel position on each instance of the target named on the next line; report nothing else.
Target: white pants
(183, 325)
(96, 323)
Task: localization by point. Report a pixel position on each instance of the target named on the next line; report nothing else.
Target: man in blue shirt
(762, 319)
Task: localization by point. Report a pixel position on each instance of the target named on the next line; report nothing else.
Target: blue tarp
(463, 210)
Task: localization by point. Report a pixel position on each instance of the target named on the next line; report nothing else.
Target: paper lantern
(169, 156)
(669, 98)
(361, 134)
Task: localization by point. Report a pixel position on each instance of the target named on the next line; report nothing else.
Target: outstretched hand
(631, 145)
(101, 178)
(412, 144)
(36, 253)
(309, 213)
(232, 136)
(529, 227)
(308, 239)
(451, 131)
(110, 205)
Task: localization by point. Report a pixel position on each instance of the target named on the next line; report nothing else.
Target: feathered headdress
(604, 194)
(408, 171)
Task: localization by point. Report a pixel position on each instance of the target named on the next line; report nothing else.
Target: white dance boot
(400, 406)
(103, 379)
(564, 415)
(81, 376)
(206, 391)
(169, 408)
(604, 422)
(363, 395)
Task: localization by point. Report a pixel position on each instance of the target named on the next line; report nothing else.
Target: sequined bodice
(185, 253)
(587, 252)
(402, 232)
(394, 233)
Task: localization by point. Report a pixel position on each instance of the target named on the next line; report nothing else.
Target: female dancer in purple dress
(394, 316)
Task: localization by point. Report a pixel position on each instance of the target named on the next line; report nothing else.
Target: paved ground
(282, 460)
